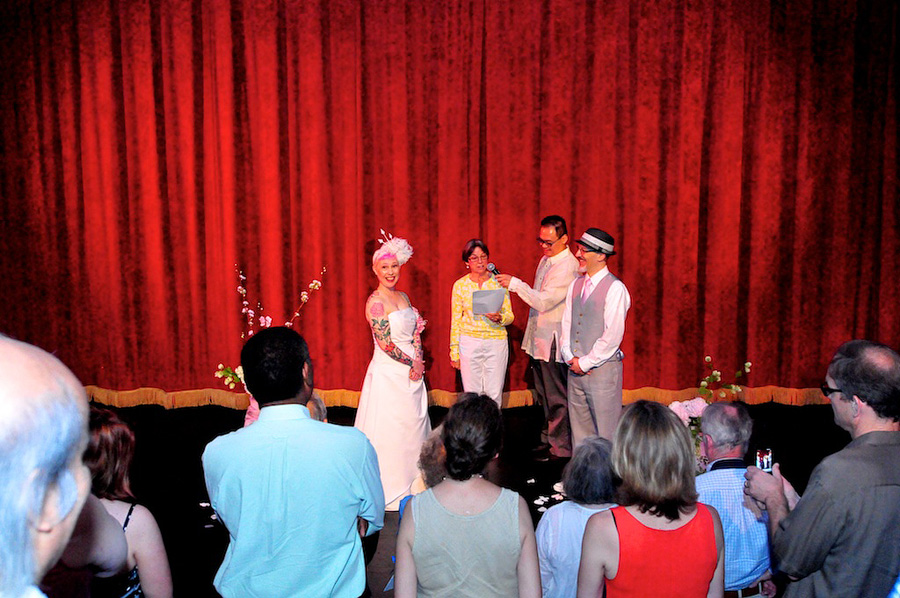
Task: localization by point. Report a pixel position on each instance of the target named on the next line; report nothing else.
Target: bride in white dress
(393, 405)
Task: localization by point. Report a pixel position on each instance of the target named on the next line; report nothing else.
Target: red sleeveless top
(660, 563)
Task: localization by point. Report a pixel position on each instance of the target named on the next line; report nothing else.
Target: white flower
(722, 395)
(221, 366)
(707, 359)
(231, 385)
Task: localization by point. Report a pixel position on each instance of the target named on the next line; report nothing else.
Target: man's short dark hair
(588, 477)
(558, 223)
(870, 371)
(273, 361)
(729, 425)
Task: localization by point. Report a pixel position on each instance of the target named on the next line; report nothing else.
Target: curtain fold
(743, 155)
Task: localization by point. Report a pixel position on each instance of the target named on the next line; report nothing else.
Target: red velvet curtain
(743, 154)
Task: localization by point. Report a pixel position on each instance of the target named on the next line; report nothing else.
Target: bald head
(871, 372)
(43, 484)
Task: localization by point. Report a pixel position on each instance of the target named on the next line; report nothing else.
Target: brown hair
(109, 454)
(652, 456)
(472, 434)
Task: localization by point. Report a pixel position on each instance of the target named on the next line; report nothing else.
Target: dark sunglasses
(828, 391)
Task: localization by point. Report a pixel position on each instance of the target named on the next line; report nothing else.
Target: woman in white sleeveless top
(467, 537)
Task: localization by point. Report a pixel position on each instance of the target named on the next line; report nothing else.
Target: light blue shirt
(746, 537)
(289, 490)
(895, 593)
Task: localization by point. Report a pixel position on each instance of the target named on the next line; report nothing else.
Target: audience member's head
(277, 367)
(473, 431)
(587, 478)
(870, 371)
(43, 482)
(653, 457)
(109, 455)
(317, 409)
(432, 457)
(726, 426)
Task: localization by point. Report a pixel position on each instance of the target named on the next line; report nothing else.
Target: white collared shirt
(547, 300)
(618, 302)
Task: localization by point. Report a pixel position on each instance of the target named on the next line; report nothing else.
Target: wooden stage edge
(443, 398)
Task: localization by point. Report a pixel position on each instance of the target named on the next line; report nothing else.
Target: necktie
(586, 291)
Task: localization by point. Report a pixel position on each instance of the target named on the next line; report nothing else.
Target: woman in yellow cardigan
(478, 345)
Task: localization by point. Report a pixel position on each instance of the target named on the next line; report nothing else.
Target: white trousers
(482, 365)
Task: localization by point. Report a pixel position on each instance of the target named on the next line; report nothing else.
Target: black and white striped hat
(597, 240)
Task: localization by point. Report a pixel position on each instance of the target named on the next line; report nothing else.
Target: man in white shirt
(547, 300)
(593, 325)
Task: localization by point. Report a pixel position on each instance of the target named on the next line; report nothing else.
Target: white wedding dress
(393, 411)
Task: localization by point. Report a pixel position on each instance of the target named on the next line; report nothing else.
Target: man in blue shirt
(294, 493)
(726, 433)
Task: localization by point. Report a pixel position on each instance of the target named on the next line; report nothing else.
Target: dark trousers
(550, 385)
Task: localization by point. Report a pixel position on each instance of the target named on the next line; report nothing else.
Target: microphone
(492, 269)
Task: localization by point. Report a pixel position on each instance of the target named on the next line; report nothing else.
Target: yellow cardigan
(464, 322)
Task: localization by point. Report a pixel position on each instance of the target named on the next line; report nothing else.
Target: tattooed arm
(381, 330)
(418, 368)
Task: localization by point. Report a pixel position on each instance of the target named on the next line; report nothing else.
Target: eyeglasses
(544, 243)
(478, 258)
(828, 391)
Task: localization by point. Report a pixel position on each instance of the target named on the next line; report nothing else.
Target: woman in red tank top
(660, 542)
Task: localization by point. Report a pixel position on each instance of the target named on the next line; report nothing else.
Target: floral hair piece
(392, 246)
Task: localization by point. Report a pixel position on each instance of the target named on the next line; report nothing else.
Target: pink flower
(685, 410)
(420, 322)
(378, 310)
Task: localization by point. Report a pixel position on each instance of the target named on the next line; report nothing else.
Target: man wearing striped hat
(593, 325)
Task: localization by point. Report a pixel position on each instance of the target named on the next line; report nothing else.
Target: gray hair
(587, 478)
(43, 426)
(728, 424)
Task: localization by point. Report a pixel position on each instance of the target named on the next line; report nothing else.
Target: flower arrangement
(708, 388)
(711, 387)
(256, 320)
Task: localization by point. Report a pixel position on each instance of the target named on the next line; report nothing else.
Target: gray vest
(587, 319)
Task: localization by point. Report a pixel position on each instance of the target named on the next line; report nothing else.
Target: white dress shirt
(547, 300)
(618, 301)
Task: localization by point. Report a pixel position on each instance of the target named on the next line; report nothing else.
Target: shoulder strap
(128, 516)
